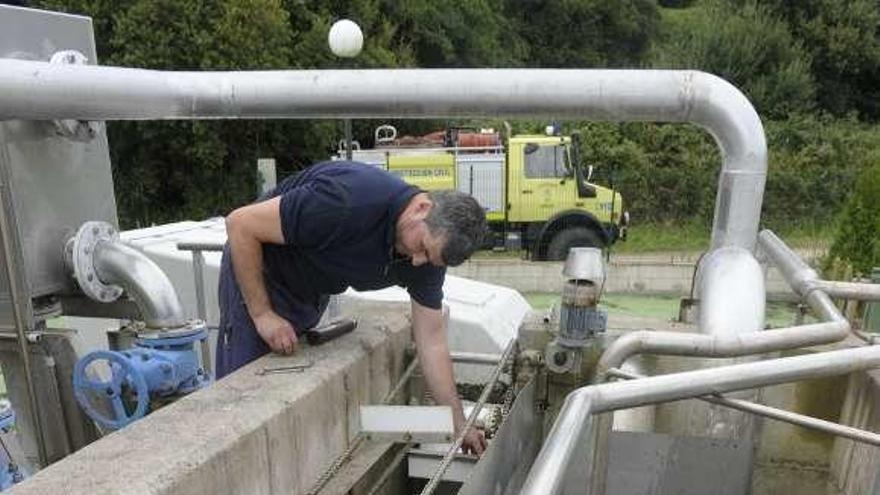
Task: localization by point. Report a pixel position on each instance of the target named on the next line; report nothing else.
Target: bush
(665, 172)
(669, 172)
(857, 241)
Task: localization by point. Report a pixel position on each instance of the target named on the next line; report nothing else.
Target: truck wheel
(569, 238)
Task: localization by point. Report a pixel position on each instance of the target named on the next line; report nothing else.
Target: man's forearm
(433, 351)
(247, 262)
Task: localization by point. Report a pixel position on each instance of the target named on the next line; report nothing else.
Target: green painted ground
(660, 307)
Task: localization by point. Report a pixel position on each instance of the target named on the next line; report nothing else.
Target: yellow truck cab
(535, 195)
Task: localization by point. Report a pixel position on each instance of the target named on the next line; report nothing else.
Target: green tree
(745, 45)
(858, 237)
(449, 33)
(165, 171)
(584, 33)
(843, 41)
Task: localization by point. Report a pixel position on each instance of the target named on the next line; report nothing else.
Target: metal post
(20, 327)
(201, 309)
(348, 151)
(199, 279)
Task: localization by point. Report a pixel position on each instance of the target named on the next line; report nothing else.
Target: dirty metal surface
(505, 464)
(657, 464)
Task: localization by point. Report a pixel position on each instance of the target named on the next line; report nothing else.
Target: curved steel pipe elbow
(143, 280)
(103, 267)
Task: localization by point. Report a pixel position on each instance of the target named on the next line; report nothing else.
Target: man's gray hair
(461, 220)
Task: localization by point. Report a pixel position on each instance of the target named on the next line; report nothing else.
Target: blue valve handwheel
(121, 371)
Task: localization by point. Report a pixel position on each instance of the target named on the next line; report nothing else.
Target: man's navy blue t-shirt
(338, 220)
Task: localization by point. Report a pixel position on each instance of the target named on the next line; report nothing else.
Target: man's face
(416, 241)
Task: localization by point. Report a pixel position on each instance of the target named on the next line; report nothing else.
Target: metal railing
(573, 457)
(197, 248)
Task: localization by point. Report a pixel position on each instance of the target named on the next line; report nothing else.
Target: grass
(651, 237)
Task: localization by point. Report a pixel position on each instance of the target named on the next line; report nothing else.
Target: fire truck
(536, 196)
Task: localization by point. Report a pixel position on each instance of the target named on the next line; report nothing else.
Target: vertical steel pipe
(201, 308)
(731, 292)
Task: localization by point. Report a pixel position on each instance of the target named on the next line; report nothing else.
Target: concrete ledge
(247, 434)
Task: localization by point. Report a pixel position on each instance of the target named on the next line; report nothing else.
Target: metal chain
(509, 394)
(346, 455)
(434, 482)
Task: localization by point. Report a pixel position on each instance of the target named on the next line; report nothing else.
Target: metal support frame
(856, 434)
(348, 139)
(19, 301)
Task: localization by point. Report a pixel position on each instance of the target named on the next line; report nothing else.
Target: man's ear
(424, 207)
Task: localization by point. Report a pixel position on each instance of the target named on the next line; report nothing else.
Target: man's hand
(277, 332)
(474, 442)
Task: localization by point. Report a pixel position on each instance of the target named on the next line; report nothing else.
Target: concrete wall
(629, 275)
(855, 466)
(246, 434)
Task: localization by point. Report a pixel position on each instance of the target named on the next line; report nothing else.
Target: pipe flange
(561, 359)
(193, 330)
(76, 130)
(80, 255)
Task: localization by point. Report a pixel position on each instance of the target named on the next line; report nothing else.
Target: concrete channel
(669, 274)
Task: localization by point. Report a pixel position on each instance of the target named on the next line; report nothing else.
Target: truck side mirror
(589, 173)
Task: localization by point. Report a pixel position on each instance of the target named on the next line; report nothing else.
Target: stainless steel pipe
(116, 263)
(474, 357)
(727, 343)
(562, 464)
(805, 280)
(856, 434)
(834, 329)
(731, 292)
(797, 273)
(40, 91)
(848, 290)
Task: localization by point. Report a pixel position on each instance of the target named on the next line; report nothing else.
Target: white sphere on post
(345, 38)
